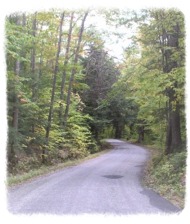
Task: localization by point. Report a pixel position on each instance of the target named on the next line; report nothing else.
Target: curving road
(110, 183)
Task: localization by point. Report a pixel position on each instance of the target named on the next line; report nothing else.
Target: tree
(53, 87)
(100, 74)
(73, 72)
(66, 61)
(42, 53)
(16, 61)
(159, 75)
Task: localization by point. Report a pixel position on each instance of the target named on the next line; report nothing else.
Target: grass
(13, 180)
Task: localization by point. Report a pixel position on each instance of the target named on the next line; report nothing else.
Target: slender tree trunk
(118, 130)
(15, 116)
(68, 101)
(16, 110)
(40, 60)
(131, 130)
(64, 69)
(33, 58)
(140, 134)
(53, 89)
(33, 65)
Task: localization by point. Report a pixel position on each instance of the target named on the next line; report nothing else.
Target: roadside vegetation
(26, 171)
(166, 174)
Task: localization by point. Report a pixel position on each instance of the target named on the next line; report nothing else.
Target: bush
(26, 164)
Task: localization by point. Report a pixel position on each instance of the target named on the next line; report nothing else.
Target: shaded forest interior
(66, 92)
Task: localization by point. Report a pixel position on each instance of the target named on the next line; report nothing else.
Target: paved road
(110, 183)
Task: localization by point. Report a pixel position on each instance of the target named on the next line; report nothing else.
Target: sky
(113, 44)
(10, 6)
(116, 38)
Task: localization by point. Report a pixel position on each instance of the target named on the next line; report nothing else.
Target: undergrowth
(29, 169)
(166, 174)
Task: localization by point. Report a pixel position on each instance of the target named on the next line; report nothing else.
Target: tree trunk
(131, 130)
(176, 130)
(53, 90)
(173, 133)
(73, 71)
(64, 69)
(33, 65)
(173, 136)
(15, 115)
(33, 58)
(140, 134)
(118, 130)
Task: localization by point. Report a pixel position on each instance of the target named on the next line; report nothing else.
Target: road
(108, 184)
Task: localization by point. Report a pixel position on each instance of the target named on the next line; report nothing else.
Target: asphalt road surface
(108, 184)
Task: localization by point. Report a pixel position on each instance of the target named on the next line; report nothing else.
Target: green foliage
(121, 109)
(100, 74)
(155, 82)
(78, 137)
(32, 44)
(167, 176)
(26, 164)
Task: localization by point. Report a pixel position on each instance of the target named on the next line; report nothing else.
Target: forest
(67, 91)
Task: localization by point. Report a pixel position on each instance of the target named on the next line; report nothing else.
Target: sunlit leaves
(155, 67)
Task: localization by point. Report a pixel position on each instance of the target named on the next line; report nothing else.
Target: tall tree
(171, 36)
(101, 73)
(18, 22)
(74, 70)
(157, 73)
(66, 61)
(33, 55)
(53, 88)
(169, 26)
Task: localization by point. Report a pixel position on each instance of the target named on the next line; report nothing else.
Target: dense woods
(66, 92)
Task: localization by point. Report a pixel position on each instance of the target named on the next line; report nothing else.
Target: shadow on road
(160, 201)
